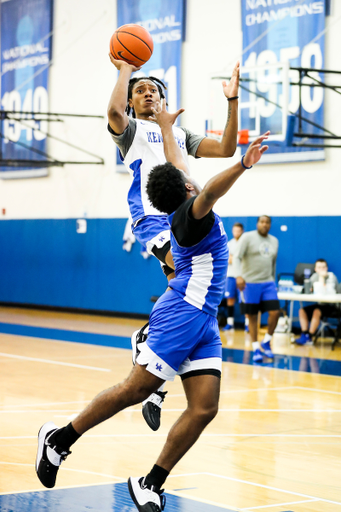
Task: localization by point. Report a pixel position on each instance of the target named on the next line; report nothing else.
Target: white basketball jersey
(145, 153)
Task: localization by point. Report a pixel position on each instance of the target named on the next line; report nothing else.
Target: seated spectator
(313, 313)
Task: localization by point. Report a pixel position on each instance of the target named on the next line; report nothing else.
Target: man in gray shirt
(255, 268)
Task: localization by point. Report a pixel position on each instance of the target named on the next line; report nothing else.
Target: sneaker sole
(149, 414)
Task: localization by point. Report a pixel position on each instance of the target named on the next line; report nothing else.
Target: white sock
(246, 320)
(267, 337)
(230, 321)
(255, 345)
(162, 386)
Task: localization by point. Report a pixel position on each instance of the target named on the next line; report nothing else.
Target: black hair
(166, 188)
(321, 260)
(238, 225)
(267, 216)
(159, 84)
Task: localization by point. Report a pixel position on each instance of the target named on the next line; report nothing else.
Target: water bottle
(307, 286)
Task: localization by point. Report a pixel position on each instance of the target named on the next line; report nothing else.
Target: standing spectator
(313, 313)
(231, 288)
(255, 268)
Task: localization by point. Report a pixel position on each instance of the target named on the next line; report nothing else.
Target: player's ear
(189, 186)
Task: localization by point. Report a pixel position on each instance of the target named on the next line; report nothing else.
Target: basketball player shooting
(185, 315)
(138, 136)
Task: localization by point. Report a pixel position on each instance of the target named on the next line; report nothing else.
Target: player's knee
(204, 415)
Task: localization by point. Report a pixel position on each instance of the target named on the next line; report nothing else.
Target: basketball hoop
(243, 137)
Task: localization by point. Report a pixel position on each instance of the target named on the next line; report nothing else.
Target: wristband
(234, 98)
(243, 165)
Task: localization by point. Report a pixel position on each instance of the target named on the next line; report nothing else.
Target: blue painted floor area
(233, 355)
(104, 498)
(65, 335)
(285, 362)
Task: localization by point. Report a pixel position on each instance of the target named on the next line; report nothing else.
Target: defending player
(139, 139)
(185, 315)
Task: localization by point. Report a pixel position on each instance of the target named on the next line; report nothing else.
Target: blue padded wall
(46, 262)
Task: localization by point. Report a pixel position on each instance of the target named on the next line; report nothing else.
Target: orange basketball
(132, 43)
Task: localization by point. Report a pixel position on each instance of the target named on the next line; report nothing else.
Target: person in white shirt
(313, 313)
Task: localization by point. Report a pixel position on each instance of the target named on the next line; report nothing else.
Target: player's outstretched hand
(119, 64)
(231, 89)
(255, 150)
(163, 118)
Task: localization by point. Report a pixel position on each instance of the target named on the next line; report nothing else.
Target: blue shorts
(181, 339)
(231, 288)
(152, 231)
(258, 297)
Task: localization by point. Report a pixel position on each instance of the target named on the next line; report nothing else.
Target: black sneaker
(49, 456)
(145, 499)
(151, 409)
(138, 337)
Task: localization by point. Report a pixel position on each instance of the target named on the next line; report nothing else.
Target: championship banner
(165, 21)
(278, 35)
(26, 27)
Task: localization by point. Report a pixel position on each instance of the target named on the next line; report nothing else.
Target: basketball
(132, 43)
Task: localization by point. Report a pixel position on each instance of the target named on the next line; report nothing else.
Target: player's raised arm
(217, 186)
(166, 120)
(117, 116)
(211, 148)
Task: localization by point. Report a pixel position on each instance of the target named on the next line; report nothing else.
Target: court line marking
(326, 436)
(278, 505)
(49, 403)
(65, 469)
(168, 396)
(48, 361)
(272, 488)
(37, 411)
(243, 390)
(319, 390)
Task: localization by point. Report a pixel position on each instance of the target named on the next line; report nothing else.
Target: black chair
(302, 271)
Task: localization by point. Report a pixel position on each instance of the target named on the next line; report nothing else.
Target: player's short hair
(238, 225)
(166, 188)
(321, 260)
(159, 84)
(267, 216)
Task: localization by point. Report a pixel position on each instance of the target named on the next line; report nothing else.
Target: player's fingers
(263, 149)
(178, 112)
(224, 83)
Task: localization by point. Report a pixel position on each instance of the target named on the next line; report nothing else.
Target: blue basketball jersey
(201, 269)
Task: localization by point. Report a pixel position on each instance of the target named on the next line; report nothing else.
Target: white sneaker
(145, 499)
(138, 337)
(49, 457)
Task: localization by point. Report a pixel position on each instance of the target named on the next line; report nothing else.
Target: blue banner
(283, 33)
(26, 27)
(165, 21)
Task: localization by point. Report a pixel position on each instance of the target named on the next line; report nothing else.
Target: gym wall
(44, 261)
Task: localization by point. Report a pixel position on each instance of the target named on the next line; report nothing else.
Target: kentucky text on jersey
(157, 137)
